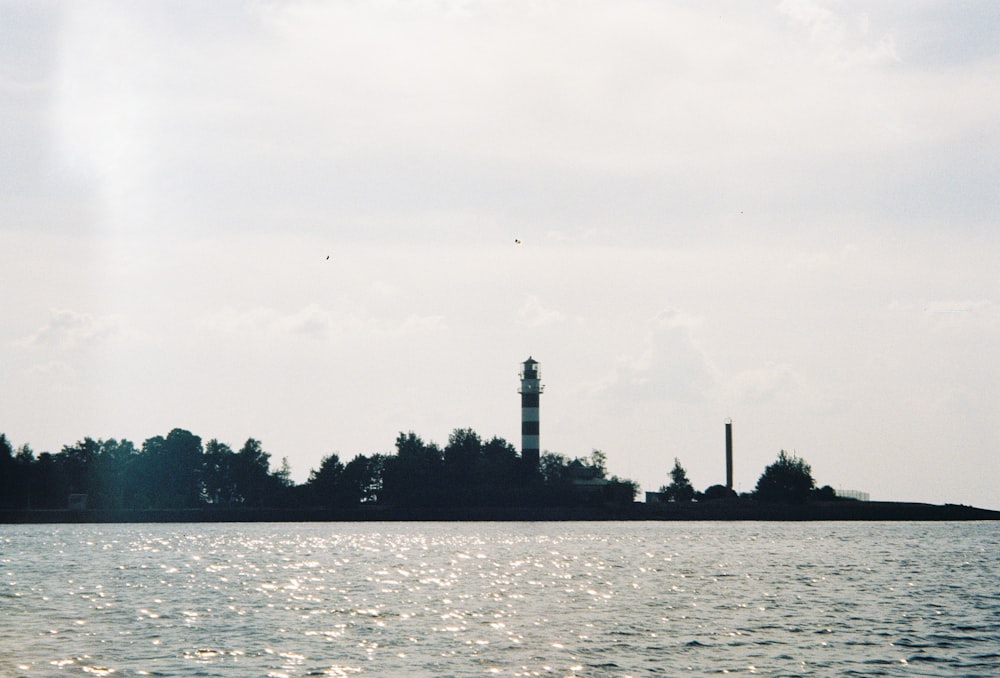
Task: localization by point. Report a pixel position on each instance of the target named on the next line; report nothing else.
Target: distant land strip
(721, 510)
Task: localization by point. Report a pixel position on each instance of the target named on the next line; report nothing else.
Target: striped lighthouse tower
(530, 389)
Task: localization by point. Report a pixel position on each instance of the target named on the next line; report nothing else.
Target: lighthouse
(530, 389)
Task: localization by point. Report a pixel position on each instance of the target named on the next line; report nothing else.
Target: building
(857, 495)
(531, 389)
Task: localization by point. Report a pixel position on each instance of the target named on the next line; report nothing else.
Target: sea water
(506, 599)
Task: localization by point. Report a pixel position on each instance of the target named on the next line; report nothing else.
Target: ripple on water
(593, 599)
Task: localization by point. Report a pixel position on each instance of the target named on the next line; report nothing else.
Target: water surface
(509, 599)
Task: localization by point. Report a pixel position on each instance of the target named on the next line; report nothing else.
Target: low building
(585, 478)
(857, 495)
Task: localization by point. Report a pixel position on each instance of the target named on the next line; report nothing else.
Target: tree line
(178, 471)
(789, 479)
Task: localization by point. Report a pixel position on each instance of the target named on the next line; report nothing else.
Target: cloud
(534, 314)
(311, 321)
(67, 329)
(973, 314)
(316, 323)
(53, 369)
(671, 366)
(763, 383)
(837, 42)
(623, 112)
(977, 306)
(418, 325)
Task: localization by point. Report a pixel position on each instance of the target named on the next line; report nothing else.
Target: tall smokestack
(729, 454)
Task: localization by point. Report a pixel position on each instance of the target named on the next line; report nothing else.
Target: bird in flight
(517, 241)
(328, 256)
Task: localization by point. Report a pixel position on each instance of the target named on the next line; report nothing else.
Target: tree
(183, 456)
(24, 476)
(716, 492)
(789, 479)
(356, 481)
(113, 469)
(78, 462)
(252, 472)
(464, 446)
(326, 483)
(680, 488)
(599, 462)
(621, 490)
(552, 467)
(825, 493)
(8, 473)
(372, 487)
(413, 477)
(219, 481)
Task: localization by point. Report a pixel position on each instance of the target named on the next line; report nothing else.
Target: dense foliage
(680, 488)
(179, 472)
(789, 479)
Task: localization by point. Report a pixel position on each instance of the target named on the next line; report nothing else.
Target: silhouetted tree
(553, 468)
(462, 451)
(284, 473)
(113, 469)
(9, 476)
(825, 493)
(356, 481)
(48, 483)
(25, 484)
(599, 462)
(326, 483)
(168, 471)
(501, 478)
(620, 491)
(789, 479)
(715, 492)
(255, 486)
(176, 471)
(78, 463)
(219, 474)
(414, 476)
(680, 488)
(372, 486)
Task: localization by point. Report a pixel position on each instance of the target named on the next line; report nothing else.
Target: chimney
(729, 454)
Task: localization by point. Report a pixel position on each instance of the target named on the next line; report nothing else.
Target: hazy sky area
(784, 213)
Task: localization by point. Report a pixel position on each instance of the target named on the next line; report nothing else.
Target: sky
(296, 221)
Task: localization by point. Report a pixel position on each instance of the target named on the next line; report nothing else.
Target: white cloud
(59, 375)
(421, 325)
(67, 329)
(310, 321)
(316, 323)
(842, 41)
(763, 384)
(534, 314)
(977, 306)
(670, 367)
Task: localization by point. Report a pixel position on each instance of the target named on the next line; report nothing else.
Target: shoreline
(721, 510)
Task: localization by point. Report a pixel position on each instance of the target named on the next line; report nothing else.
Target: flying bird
(328, 256)
(516, 241)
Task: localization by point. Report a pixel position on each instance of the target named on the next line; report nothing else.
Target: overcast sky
(784, 213)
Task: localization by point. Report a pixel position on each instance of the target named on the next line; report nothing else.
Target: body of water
(508, 599)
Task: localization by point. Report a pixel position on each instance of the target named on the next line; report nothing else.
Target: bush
(789, 479)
